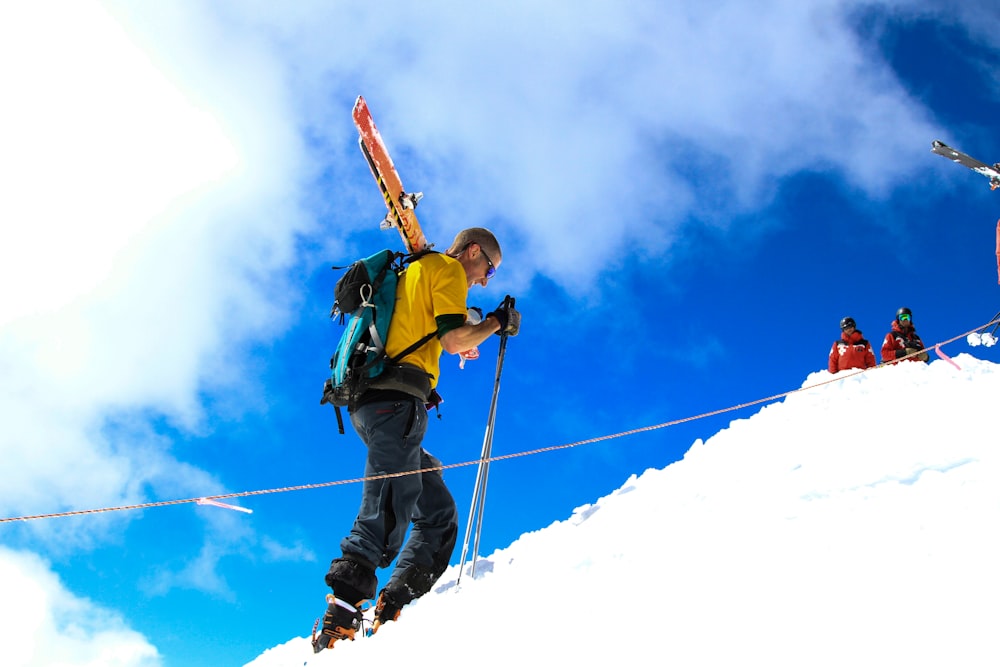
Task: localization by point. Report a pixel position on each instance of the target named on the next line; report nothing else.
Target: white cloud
(272, 550)
(97, 145)
(42, 623)
(592, 129)
(150, 219)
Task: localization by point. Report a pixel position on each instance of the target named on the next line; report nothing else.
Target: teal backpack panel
(369, 290)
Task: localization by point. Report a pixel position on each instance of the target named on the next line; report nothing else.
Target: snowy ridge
(853, 523)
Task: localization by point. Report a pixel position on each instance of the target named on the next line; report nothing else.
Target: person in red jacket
(852, 350)
(903, 340)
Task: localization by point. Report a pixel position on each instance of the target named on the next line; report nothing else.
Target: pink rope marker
(937, 348)
(216, 503)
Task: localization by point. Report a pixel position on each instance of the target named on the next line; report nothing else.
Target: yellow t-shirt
(432, 286)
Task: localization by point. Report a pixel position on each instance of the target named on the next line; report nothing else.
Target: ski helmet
(904, 311)
(848, 322)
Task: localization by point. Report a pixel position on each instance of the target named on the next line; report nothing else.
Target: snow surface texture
(851, 524)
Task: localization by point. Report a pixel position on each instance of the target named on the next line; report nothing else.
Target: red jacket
(851, 351)
(897, 340)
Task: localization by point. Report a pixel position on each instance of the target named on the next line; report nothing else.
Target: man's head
(479, 253)
(848, 324)
(905, 317)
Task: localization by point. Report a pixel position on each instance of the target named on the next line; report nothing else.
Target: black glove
(508, 317)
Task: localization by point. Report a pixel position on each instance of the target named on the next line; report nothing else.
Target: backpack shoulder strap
(412, 257)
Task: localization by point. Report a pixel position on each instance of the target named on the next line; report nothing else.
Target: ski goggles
(905, 317)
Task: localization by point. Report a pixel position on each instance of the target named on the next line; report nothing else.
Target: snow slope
(852, 523)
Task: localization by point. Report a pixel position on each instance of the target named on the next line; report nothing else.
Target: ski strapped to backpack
(364, 298)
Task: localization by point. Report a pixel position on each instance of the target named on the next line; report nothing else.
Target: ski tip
(941, 148)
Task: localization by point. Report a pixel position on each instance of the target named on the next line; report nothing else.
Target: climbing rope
(216, 499)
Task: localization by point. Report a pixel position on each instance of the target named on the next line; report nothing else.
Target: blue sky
(689, 200)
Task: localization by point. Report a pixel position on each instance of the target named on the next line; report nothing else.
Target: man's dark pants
(393, 432)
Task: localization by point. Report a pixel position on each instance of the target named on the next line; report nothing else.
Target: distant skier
(392, 421)
(903, 340)
(851, 350)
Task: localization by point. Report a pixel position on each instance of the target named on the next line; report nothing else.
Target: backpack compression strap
(412, 348)
(395, 360)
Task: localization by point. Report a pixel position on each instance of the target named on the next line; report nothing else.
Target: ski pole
(482, 472)
(996, 318)
(479, 500)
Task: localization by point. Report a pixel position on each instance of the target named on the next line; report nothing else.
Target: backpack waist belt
(406, 378)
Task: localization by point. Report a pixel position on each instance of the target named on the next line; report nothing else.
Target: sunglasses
(904, 318)
(491, 270)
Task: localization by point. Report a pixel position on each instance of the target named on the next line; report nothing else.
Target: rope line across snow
(215, 500)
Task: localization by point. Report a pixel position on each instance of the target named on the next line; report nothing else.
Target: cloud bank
(43, 623)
